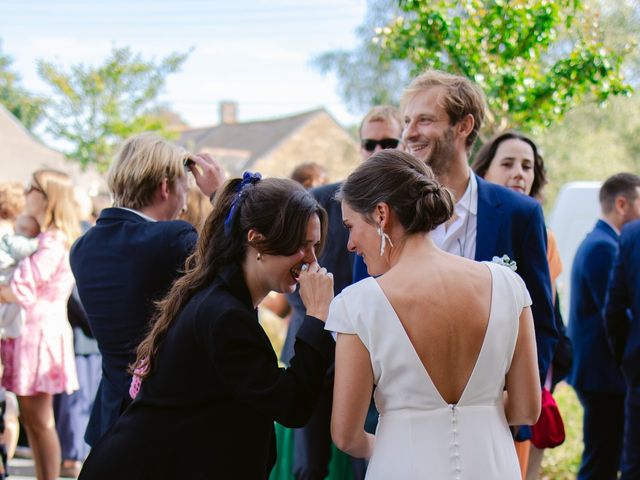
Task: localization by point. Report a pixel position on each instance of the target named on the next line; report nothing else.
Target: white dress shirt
(146, 217)
(459, 236)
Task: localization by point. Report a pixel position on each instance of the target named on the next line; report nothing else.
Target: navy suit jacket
(622, 307)
(512, 224)
(594, 369)
(335, 258)
(122, 266)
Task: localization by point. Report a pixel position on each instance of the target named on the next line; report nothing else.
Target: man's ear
(465, 126)
(621, 204)
(164, 188)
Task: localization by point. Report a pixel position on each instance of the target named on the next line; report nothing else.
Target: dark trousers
(312, 443)
(603, 424)
(631, 449)
(72, 411)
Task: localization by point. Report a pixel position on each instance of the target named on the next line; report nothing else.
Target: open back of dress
(419, 435)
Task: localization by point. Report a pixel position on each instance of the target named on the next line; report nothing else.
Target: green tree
(27, 108)
(95, 108)
(534, 59)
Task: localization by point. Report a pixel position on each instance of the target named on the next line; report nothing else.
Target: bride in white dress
(448, 343)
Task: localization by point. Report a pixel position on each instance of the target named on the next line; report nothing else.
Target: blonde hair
(462, 98)
(12, 200)
(382, 113)
(140, 166)
(198, 208)
(61, 212)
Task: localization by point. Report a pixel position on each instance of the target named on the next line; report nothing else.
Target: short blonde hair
(381, 113)
(12, 200)
(61, 212)
(463, 97)
(140, 166)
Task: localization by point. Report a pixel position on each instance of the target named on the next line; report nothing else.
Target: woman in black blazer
(208, 371)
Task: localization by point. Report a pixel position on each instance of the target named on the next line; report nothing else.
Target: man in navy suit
(129, 259)
(622, 322)
(380, 128)
(595, 376)
(442, 116)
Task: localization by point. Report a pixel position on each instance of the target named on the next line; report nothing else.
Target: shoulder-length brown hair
(486, 154)
(278, 208)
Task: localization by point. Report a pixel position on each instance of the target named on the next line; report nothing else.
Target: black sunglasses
(370, 145)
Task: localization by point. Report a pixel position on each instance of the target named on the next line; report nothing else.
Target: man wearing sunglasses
(381, 128)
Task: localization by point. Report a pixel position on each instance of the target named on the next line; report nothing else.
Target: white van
(574, 214)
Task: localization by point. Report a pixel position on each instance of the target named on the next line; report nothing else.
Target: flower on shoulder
(505, 261)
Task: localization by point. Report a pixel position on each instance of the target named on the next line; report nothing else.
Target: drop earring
(259, 257)
(383, 240)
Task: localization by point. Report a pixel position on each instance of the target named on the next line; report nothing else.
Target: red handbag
(548, 432)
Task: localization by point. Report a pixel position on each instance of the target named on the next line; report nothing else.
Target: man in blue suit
(380, 128)
(622, 322)
(595, 376)
(442, 116)
(129, 259)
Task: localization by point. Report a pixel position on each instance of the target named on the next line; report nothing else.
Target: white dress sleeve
(339, 320)
(521, 292)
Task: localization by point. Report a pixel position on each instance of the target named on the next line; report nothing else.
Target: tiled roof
(254, 138)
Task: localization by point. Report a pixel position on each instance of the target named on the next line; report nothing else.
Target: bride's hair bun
(404, 183)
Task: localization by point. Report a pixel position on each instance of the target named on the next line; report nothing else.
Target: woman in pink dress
(40, 362)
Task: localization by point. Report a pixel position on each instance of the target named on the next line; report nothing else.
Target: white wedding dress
(419, 436)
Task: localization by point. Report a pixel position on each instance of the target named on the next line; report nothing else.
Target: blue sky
(256, 52)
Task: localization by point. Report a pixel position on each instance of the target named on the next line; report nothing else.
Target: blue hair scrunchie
(248, 179)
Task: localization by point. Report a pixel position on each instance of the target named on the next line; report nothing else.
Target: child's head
(27, 226)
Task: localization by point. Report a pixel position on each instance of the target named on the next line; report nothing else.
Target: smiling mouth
(295, 273)
(417, 147)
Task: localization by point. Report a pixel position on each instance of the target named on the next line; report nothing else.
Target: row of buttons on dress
(455, 445)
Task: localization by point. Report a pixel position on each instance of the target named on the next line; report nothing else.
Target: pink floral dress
(41, 359)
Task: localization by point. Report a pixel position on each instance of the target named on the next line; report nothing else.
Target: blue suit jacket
(122, 266)
(622, 307)
(335, 258)
(511, 223)
(594, 369)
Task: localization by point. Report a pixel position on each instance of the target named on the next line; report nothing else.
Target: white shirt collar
(469, 200)
(146, 217)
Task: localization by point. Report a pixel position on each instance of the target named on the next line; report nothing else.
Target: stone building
(275, 147)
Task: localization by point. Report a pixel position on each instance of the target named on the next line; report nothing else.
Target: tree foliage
(95, 108)
(366, 77)
(26, 107)
(534, 59)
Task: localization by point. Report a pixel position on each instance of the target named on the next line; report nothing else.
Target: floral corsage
(506, 261)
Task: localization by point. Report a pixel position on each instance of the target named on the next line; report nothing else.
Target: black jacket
(216, 384)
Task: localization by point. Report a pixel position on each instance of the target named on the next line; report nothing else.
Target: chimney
(228, 112)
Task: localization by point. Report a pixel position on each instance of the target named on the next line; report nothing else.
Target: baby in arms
(14, 248)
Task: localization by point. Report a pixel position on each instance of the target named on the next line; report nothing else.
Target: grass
(562, 462)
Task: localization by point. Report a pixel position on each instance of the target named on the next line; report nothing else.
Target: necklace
(461, 245)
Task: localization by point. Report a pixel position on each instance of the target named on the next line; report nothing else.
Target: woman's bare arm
(351, 397)
(522, 398)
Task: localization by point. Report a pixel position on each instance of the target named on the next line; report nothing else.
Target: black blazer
(122, 265)
(207, 410)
